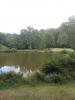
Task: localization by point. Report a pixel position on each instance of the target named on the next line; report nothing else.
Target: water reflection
(10, 68)
(29, 60)
(6, 69)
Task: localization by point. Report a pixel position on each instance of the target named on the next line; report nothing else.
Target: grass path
(59, 92)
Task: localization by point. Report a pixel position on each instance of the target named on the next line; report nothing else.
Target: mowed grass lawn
(61, 49)
(50, 49)
(47, 92)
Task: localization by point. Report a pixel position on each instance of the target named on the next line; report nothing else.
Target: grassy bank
(54, 50)
(60, 70)
(4, 49)
(52, 81)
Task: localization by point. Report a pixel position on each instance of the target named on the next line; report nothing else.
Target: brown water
(25, 59)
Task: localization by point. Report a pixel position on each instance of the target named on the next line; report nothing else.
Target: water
(6, 69)
(25, 59)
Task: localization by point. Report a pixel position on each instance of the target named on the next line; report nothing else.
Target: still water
(5, 69)
(25, 59)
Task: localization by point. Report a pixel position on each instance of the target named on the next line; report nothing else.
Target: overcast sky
(18, 14)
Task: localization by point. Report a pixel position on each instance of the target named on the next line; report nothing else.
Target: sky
(40, 14)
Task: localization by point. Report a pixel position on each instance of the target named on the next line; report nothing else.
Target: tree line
(30, 38)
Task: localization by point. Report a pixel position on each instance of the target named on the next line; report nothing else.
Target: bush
(10, 79)
(36, 77)
(58, 64)
(72, 54)
(50, 68)
(63, 52)
(55, 78)
(10, 50)
(60, 69)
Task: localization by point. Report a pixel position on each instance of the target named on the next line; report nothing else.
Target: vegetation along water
(38, 64)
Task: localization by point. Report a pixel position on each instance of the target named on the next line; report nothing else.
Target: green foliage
(60, 69)
(63, 52)
(57, 64)
(30, 38)
(10, 79)
(72, 54)
(6, 49)
(10, 50)
(2, 47)
(55, 78)
(13, 50)
(50, 68)
(36, 78)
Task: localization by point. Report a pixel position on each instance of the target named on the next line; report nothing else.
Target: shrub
(36, 77)
(63, 52)
(10, 50)
(10, 79)
(55, 78)
(55, 65)
(72, 54)
(61, 68)
(58, 64)
(50, 68)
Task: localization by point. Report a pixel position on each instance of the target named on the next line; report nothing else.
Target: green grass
(50, 49)
(61, 49)
(2, 47)
(54, 50)
(47, 92)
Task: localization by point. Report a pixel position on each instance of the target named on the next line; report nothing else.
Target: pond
(25, 59)
(5, 69)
